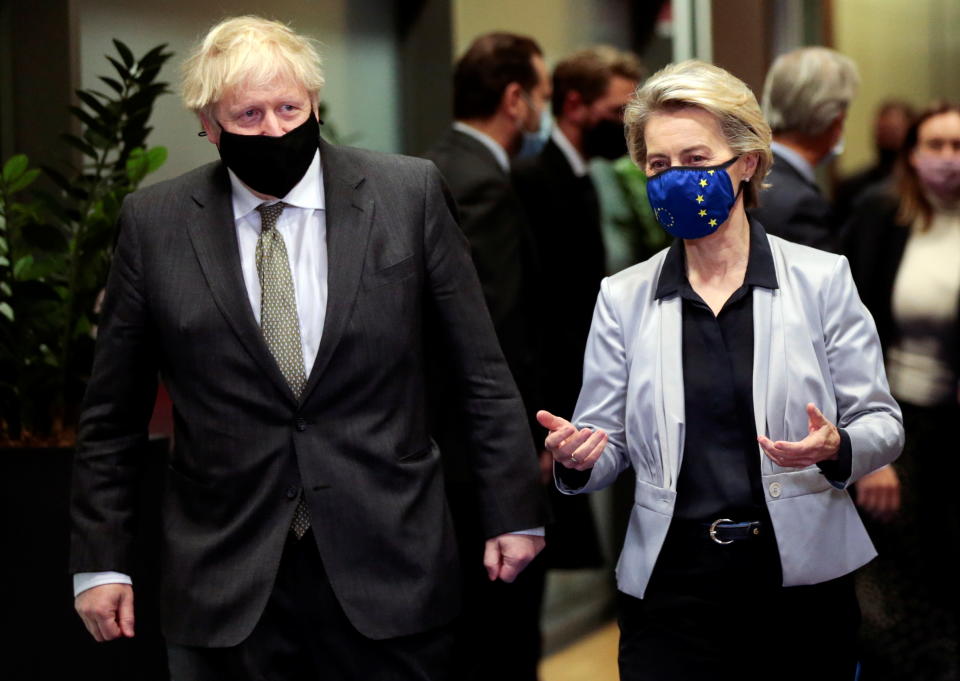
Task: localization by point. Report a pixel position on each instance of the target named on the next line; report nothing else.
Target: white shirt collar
(798, 162)
(307, 193)
(577, 164)
(498, 152)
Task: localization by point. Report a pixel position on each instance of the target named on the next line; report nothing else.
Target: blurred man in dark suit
(805, 100)
(590, 90)
(286, 295)
(501, 89)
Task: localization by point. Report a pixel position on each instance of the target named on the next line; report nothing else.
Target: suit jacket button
(775, 489)
(300, 424)
(292, 492)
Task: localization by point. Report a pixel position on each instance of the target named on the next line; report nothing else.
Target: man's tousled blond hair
(248, 51)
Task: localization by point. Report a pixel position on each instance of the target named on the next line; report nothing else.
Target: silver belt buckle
(713, 531)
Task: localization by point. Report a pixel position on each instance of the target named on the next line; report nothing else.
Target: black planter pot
(49, 641)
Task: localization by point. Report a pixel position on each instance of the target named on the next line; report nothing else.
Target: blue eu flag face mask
(691, 202)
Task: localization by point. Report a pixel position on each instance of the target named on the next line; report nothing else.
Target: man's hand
(572, 448)
(506, 556)
(822, 443)
(107, 611)
(878, 493)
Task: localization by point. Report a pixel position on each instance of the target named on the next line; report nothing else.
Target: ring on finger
(574, 459)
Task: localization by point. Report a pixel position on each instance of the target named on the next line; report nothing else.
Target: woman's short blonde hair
(695, 83)
(248, 51)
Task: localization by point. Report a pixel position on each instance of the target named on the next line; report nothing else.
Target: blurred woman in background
(904, 251)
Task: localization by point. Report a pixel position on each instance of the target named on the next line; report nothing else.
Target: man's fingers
(92, 627)
(491, 558)
(125, 617)
(516, 552)
(107, 622)
(107, 611)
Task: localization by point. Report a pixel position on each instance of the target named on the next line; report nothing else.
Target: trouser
(304, 634)
(716, 611)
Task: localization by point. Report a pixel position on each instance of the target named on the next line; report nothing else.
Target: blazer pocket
(390, 274)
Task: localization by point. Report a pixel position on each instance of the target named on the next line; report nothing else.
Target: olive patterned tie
(278, 319)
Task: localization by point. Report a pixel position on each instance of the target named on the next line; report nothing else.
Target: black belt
(722, 530)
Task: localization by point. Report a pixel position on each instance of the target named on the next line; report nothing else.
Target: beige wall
(356, 42)
(559, 26)
(905, 48)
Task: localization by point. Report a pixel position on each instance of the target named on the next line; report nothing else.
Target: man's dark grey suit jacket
(794, 208)
(357, 443)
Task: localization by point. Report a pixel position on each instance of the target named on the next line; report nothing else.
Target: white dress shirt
(303, 225)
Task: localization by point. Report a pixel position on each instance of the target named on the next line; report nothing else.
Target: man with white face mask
(500, 95)
(805, 100)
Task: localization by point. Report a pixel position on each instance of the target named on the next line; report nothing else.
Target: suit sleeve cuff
(87, 580)
(838, 470)
(534, 531)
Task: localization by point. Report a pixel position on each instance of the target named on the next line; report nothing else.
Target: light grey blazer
(814, 341)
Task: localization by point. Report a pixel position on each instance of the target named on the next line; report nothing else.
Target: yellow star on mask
(711, 172)
(700, 198)
(702, 213)
(713, 223)
(703, 183)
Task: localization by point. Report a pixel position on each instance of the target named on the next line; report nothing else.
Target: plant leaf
(121, 69)
(154, 55)
(156, 157)
(125, 53)
(14, 167)
(113, 84)
(75, 141)
(23, 181)
(22, 266)
(93, 103)
(88, 120)
(6, 311)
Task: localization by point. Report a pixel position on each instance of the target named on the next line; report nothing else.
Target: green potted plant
(55, 251)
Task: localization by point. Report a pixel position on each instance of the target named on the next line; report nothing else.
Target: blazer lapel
(670, 399)
(349, 216)
(769, 363)
(214, 238)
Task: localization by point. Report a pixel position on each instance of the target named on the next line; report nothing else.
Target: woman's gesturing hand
(821, 444)
(572, 448)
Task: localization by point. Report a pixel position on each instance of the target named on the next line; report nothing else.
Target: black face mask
(271, 165)
(606, 139)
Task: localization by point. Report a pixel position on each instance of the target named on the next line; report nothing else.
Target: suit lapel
(214, 238)
(349, 216)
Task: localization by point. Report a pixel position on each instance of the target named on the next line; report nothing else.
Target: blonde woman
(742, 379)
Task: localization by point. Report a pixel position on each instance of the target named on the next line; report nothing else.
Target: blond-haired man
(283, 295)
